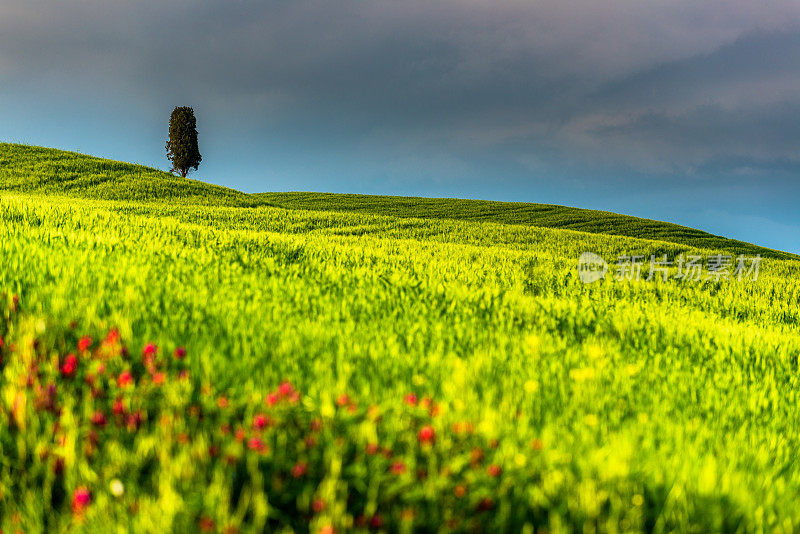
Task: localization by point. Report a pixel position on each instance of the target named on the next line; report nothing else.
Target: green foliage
(182, 148)
(617, 406)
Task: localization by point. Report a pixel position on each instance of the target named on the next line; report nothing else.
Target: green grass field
(375, 363)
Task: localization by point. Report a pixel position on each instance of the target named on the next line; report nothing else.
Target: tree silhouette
(182, 148)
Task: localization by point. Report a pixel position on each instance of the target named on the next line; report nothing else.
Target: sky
(676, 110)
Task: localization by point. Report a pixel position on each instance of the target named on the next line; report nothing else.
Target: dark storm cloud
(662, 85)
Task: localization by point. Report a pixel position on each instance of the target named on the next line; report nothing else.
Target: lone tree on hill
(182, 148)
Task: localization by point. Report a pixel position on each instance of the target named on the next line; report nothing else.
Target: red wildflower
(261, 421)
(149, 356)
(485, 504)
(285, 389)
(222, 402)
(112, 336)
(343, 400)
(376, 521)
(124, 379)
(206, 524)
(183, 374)
(158, 378)
(427, 435)
(271, 399)
(69, 366)
(398, 468)
(99, 419)
(299, 469)
(476, 456)
(460, 491)
(537, 445)
(318, 505)
(179, 353)
(371, 448)
(255, 444)
(315, 425)
(118, 408)
(81, 499)
(494, 470)
(134, 420)
(410, 399)
(327, 529)
(84, 343)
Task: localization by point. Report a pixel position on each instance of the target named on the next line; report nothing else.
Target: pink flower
(149, 350)
(271, 399)
(81, 499)
(69, 366)
(84, 343)
(427, 435)
(410, 399)
(180, 353)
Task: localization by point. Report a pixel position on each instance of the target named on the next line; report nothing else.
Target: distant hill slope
(524, 213)
(31, 169)
(45, 170)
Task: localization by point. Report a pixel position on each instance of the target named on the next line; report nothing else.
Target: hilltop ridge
(30, 169)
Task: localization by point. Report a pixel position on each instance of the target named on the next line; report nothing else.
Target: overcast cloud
(570, 101)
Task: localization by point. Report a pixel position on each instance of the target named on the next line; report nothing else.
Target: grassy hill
(29, 169)
(43, 170)
(181, 364)
(522, 213)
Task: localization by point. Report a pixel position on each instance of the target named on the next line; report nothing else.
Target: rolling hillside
(33, 169)
(172, 362)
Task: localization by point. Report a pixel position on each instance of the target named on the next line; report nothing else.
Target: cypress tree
(182, 148)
